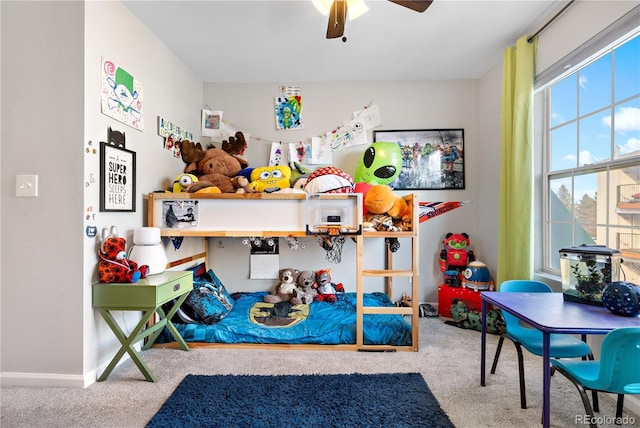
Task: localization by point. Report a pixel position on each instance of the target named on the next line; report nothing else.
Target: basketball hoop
(332, 241)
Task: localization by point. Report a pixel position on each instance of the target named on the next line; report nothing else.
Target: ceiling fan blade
(417, 5)
(337, 18)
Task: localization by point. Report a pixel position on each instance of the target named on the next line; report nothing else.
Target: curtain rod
(551, 21)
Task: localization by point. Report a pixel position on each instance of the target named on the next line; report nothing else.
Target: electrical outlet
(26, 186)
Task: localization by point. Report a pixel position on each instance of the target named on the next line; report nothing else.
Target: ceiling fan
(338, 13)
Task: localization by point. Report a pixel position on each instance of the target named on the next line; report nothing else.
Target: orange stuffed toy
(386, 211)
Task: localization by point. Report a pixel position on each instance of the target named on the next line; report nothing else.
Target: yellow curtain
(515, 233)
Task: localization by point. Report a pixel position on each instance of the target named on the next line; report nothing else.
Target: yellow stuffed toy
(270, 178)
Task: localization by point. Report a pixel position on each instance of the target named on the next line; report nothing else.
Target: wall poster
(121, 95)
(117, 178)
(432, 159)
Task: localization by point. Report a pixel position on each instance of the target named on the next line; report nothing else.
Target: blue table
(549, 313)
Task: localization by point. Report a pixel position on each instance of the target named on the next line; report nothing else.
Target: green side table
(146, 295)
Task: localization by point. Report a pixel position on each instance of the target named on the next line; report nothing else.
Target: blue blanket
(326, 324)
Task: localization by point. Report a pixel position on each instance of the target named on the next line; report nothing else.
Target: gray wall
(50, 69)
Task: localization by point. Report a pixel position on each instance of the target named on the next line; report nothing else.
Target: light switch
(26, 186)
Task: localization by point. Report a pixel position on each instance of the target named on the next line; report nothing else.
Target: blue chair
(617, 371)
(522, 336)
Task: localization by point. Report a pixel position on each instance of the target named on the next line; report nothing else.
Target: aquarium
(586, 270)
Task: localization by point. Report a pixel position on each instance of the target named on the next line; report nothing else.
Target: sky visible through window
(584, 100)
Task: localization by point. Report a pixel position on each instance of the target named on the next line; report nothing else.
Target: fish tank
(586, 270)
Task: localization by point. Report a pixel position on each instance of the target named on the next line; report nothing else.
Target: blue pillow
(209, 299)
(197, 270)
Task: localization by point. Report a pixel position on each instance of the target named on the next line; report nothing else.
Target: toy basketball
(622, 298)
(477, 276)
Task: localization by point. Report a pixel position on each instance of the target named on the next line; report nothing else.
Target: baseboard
(47, 380)
(55, 380)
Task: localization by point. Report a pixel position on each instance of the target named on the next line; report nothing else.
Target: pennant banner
(429, 210)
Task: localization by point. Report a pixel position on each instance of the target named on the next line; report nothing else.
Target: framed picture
(117, 178)
(432, 159)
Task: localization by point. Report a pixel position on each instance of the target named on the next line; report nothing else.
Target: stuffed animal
(284, 291)
(386, 211)
(114, 266)
(270, 178)
(464, 317)
(326, 289)
(381, 163)
(218, 168)
(191, 152)
(236, 145)
(299, 176)
(305, 291)
(183, 181)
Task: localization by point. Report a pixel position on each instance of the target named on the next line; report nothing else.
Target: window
(591, 166)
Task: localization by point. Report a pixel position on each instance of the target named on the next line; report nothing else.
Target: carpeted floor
(400, 400)
(448, 361)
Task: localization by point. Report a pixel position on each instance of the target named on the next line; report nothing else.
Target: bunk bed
(359, 320)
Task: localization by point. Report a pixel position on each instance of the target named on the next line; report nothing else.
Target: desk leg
(483, 345)
(127, 343)
(169, 324)
(546, 380)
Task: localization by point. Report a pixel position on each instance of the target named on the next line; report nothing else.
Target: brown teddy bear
(217, 168)
(305, 291)
(284, 291)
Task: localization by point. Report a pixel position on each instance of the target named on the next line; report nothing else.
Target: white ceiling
(284, 41)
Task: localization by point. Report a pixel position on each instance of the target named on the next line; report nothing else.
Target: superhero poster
(432, 159)
(121, 95)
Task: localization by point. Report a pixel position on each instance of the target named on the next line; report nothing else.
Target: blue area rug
(354, 400)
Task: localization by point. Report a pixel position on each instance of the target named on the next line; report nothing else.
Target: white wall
(42, 131)
(403, 105)
(171, 91)
(580, 23)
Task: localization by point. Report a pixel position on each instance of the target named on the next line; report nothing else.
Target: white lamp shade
(147, 236)
(150, 255)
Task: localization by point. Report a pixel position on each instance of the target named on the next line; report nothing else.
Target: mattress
(321, 323)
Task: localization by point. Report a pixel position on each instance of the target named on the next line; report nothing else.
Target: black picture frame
(117, 178)
(432, 159)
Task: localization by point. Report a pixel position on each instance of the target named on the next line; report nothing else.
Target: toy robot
(454, 257)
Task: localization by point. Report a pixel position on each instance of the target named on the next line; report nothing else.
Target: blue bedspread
(326, 324)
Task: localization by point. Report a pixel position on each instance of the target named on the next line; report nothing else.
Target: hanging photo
(211, 123)
(179, 214)
(288, 108)
(278, 154)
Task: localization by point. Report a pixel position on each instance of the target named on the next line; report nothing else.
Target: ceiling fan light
(356, 8)
(323, 6)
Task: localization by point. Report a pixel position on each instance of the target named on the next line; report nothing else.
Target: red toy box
(446, 294)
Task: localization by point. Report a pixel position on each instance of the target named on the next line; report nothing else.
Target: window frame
(613, 36)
